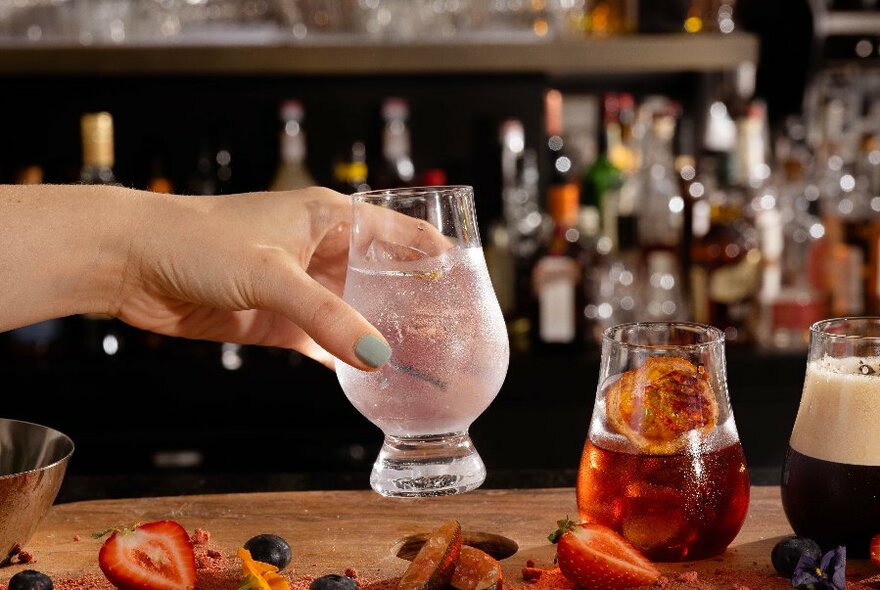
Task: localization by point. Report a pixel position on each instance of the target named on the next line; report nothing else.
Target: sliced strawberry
(152, 556)
(875, 550)
(432, 567)
(476, 570)
(595, 557)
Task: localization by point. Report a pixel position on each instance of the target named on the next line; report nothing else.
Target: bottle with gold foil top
(97, 149)
(103, 334)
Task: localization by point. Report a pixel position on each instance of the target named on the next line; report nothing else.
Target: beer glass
(831, 473)
(662, 463)
(416, 271)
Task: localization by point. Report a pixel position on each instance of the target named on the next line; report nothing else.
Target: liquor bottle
(725, 261)
(397, 169)
(292, 172)
(661, 213)
(97, 149)
(558, 276)
(602, 180)
(786, 316)
(350, 169)
(613, 17)
(104, 335)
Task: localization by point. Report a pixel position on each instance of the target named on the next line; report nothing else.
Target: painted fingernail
(372, 351)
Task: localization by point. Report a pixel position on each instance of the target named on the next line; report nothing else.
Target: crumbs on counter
(200, 537)
(25, 557)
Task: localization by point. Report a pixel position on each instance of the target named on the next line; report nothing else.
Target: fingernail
(372, 351)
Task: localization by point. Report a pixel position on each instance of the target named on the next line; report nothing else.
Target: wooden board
(331, 531)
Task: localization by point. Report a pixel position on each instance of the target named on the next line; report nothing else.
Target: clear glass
(663, 464)
(417, 272)
(831, 472)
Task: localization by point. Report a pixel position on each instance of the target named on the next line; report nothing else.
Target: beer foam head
(839, 411)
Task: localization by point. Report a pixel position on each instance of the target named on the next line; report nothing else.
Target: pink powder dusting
(200, 537)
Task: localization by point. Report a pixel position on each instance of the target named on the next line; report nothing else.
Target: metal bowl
(33, 460)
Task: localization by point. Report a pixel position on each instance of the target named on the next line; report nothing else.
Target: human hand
(262, 268)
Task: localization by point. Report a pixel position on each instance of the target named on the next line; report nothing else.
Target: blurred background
(699, 160)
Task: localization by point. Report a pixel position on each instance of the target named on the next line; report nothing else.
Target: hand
(261, 268)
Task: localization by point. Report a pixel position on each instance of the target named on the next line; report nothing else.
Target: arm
(262, 268)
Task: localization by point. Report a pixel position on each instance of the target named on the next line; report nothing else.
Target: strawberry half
(595, 557)
(152, 556)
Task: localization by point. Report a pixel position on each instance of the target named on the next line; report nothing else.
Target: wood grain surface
(331, 531)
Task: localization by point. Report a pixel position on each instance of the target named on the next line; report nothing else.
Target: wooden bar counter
(334, 530)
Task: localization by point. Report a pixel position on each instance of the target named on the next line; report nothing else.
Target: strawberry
(151, 556)
(875, 550)
(595, 557)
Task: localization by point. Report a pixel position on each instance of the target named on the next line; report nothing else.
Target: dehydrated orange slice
(476, 570)
(434, 564)
(658, 404)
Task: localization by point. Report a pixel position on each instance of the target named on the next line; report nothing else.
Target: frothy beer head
(839, 411)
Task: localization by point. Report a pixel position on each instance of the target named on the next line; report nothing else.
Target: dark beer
(833, 503)
(831, 474)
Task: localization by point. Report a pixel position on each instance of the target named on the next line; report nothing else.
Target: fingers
(373, 222)
(333, 324)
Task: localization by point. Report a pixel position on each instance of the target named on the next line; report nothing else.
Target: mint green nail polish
(372, 351)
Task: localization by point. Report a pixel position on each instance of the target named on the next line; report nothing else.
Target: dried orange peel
(259, 575)
(658, 404)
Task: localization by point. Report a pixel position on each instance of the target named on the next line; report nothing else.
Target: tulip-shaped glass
(663, 464)
(831, 473)
(416, 271)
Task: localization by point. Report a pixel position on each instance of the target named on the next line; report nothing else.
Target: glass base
(438, 465)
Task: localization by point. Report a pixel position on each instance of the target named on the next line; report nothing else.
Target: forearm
(63, 250)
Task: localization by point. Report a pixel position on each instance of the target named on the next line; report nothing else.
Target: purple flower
(828, 574)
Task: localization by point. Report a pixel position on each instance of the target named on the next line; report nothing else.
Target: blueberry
(788, 551)
(270, 549)
(30, 580)
(333, 582)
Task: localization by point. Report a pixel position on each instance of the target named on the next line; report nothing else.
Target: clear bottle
(725, 260)
(514, 236)
(292, 172)
(397, 168)
(558, 276)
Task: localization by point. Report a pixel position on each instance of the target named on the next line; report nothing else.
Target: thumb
(332, 323)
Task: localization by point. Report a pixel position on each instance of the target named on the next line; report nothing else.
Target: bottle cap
(97, 139)
(395, 108)
(291, 109)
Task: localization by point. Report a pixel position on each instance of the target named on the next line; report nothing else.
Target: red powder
(77, 538)
(688, 577)
(350, 572)
(200, 537)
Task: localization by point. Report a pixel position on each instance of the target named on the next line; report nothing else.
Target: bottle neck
(293, 144)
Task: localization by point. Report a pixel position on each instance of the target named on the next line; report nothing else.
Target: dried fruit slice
(476, 570)
(433, 566)
(658, 404)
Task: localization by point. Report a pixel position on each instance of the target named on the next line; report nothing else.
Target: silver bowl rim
(63, 459)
